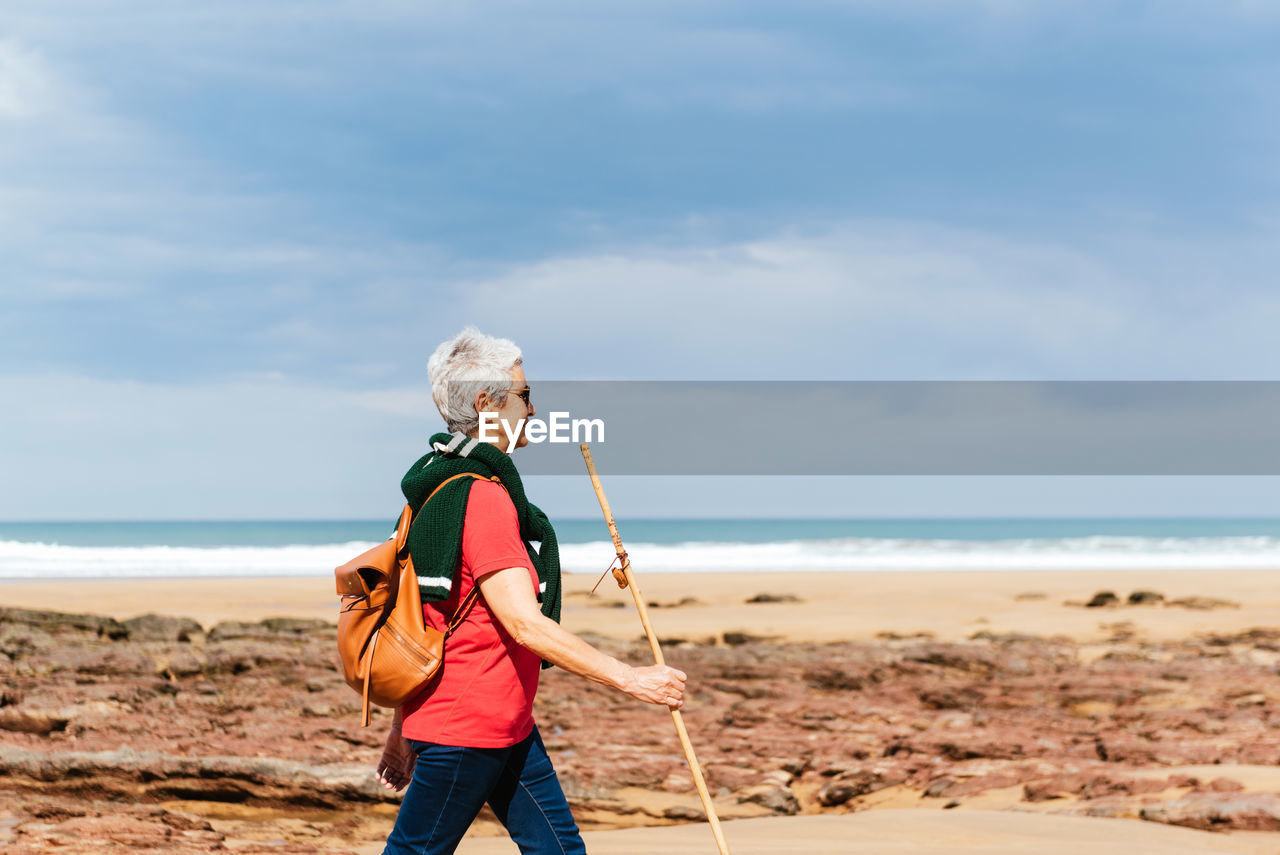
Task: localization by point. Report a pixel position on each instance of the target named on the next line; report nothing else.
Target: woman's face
(510, 411)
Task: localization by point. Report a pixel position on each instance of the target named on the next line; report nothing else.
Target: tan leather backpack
(388, 653)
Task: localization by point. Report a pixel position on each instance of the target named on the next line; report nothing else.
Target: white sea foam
(54, 561)
(51, 561)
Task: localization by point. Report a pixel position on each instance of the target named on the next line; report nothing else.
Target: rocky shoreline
(158, 733)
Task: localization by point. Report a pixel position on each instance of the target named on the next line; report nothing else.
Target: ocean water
(67, 550)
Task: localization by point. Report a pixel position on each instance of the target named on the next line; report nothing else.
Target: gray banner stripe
(913, 428)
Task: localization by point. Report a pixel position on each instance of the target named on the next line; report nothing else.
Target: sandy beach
(912, 713)
(948, 605)
(892, 832)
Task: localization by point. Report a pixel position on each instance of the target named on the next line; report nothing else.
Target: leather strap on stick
(627, 579)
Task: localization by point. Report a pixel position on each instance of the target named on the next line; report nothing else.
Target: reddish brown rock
(1221, 785)
(778, 799)
(1211, 812)
(31, 721)
(256, 715)
(154, 627)
(1103, 599)
(852, 784)
(1057, 787)
(1202, 603)
(775, 598)
(57, 623)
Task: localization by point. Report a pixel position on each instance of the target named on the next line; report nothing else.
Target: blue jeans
(451, 784)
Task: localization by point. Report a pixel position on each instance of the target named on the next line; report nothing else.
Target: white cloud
(884, 300)
(863, 299)
(121, 209)
(27, 89)
(87, 448)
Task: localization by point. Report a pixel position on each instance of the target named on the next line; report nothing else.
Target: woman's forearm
(563, 649)
(511, 597)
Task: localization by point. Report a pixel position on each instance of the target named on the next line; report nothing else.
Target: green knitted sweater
(435, 538)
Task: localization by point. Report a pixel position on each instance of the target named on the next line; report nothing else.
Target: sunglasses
(525, 395)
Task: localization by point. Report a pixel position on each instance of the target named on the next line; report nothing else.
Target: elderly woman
(469, 738)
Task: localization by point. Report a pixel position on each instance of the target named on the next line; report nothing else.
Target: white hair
(463, 367)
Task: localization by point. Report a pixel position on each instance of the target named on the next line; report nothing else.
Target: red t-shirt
(482, 696)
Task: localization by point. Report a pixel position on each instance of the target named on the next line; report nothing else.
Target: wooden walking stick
(626, 579)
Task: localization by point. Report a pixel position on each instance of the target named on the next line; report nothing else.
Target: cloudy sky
(231, 232)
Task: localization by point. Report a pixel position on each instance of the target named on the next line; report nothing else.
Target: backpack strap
(465, 606)
(456, 477)
(407, 516)
(402, 535)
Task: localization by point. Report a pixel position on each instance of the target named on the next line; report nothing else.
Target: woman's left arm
(511, 597)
